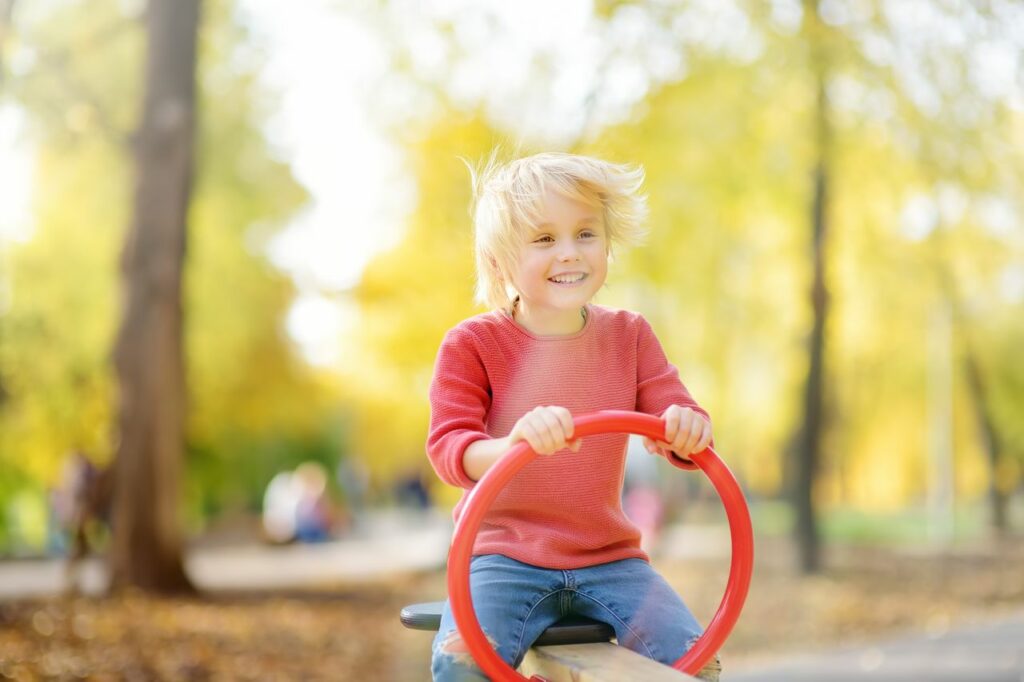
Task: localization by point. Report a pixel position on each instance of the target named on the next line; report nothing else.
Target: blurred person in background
(297, 507)
(411, 490)
(80, 509)
(280, 502)
(314, 513)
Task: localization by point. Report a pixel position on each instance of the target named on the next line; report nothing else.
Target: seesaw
(576, 648)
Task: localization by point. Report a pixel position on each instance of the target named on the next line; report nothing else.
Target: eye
(543, 239)
(587, 234)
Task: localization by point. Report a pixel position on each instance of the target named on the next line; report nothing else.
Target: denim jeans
(515, 602)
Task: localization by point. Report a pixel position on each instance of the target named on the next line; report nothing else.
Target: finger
(574, 445)
(526, 433)
(656, 447)
(705, 437)
(551, 431)
(661, 447)
(533, 423)
(565, 417)
(671, 423)
(552, 427)
(678, 440)
(693, 429)
(536, 439)
(682, 433)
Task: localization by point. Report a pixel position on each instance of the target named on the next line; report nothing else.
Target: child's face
(564, 261)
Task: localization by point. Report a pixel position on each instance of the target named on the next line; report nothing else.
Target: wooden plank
(603, 662)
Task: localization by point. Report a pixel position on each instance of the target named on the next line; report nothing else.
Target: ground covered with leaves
(352, 632)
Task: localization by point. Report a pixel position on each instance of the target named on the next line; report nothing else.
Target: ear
(502, 272)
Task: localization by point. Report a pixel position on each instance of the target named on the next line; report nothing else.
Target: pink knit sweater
(562, 510)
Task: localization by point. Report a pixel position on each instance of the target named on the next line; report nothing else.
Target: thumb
(574, 445)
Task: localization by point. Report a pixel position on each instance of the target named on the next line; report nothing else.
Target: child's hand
(686, 432)
(546, 429)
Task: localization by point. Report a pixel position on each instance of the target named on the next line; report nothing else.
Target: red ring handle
(610, 421)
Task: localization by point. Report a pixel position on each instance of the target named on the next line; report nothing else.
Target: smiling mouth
(568, 279)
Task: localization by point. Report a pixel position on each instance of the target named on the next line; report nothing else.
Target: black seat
(569, 630)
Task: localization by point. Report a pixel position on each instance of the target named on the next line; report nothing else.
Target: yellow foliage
(723, 278)
(410, 296)
(246, 383)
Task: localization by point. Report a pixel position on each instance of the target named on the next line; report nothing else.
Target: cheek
(599, 261)
(527, 269)
(535, 265)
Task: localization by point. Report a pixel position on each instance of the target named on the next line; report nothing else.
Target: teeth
(567, 279)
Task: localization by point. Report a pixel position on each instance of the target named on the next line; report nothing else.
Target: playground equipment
(427, 616)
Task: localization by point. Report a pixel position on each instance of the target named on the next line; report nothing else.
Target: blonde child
(556, 541)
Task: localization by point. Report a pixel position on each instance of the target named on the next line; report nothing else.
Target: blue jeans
(515, 602)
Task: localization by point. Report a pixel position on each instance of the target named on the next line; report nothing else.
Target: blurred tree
(724, 182)
(993, 435)
(955, 114)
(59, 307)
(776, 118)
(716, 274)
(254, 405)
(806, 450)
(147, 549)
(1001, 481)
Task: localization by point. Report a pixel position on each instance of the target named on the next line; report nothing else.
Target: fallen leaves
(353, 632)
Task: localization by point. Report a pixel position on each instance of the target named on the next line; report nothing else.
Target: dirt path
(990, 652)
(389, 543)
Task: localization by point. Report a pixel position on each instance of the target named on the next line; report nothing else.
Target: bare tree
(992, 440)
(147, 548)
(806, 449)
(978, 388)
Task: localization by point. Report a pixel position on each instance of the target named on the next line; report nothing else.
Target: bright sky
(323, 65)
(15, 176)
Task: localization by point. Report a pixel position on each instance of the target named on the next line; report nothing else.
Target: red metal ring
(610, 421)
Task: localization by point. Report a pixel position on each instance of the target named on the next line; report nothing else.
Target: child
(556, 541)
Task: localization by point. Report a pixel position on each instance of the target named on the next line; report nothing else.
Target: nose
(568, 253)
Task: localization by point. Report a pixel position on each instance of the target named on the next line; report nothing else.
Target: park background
(835, 260)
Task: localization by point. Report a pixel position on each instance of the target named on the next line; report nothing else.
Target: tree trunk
(807, 442)
(147, 548)
(991, 441)
(991, 437)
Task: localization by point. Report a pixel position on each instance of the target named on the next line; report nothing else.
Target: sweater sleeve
(459, 399)
(658, 384)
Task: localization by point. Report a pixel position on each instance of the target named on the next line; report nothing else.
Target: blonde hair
(508, 200)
